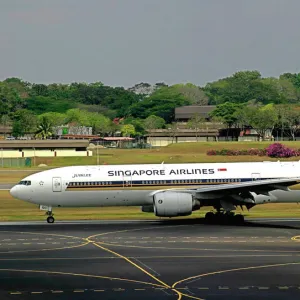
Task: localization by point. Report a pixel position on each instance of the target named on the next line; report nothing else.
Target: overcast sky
(123, 42)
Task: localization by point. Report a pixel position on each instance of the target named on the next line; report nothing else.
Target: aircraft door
(127, 181)
(256, 176)
(56, 184)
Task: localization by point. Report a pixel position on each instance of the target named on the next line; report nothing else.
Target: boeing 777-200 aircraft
(168, 190)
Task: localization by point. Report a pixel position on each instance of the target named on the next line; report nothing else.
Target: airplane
(167, 190)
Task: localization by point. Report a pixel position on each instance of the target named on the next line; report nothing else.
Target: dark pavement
(150, 260)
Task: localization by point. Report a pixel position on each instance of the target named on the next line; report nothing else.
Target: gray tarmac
(6, 186)
(184, 259)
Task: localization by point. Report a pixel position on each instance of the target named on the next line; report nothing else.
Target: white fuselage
(133, 185)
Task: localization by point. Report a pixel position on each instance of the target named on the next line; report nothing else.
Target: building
(5, 131)
(43, 148)
(114, 142)
(72, 129)
(164, 137)
(185, 113)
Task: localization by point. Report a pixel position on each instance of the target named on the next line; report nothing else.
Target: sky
(124, 42)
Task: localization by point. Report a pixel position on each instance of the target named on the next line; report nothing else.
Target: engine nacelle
(172, 204)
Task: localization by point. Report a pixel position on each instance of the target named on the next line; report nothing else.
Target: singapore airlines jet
(168, 190)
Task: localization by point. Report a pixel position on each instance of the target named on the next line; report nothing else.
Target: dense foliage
(243, 99)
(276, 150)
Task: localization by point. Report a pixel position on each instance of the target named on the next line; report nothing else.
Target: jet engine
(172, 204)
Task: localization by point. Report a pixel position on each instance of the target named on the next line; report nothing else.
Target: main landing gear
(50, 218)
(224, 218)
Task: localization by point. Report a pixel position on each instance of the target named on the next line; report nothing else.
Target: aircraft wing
(258, 186)
(239, 192)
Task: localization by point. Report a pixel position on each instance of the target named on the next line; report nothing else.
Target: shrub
(274, 150)
(279, 150)
(211, 152)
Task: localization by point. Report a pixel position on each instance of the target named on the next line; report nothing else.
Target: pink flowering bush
(279, 150)
(274, 150)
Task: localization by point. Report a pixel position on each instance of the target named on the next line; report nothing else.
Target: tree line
(245, 98)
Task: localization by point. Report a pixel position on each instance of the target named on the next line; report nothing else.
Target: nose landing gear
(50, 218)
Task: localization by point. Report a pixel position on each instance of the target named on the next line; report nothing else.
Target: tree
(17, 129)
(196, 123)
(55, 118)
(99, 123)
(262, 119)
(77, 117)
(288, 119)
(10, 100)
(128, 130)
(242, 87)
(161, 103)
(226, 113)
(45, 129)
(293, 78)
(27, 119)
(288, 92)
(42, 104)
(137, 123)
(192, 93)
(143, 88)
(5, 121)
(265, 119)
(173, 129)
(154, 122)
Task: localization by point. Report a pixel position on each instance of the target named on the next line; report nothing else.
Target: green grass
(12, 210)
(16, 210)
(175, 153)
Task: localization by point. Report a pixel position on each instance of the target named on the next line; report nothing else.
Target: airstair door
(256, 176)
(56, 184)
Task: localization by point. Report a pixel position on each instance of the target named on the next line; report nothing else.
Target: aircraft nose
(14, 191)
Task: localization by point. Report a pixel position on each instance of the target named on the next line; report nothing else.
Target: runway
(6, 186)
(150, 260)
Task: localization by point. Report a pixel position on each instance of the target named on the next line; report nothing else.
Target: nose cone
(14, 191)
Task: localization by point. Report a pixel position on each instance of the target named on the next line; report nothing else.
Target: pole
(97, 153)
(34, 157)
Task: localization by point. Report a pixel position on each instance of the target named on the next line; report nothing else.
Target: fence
(15, 162)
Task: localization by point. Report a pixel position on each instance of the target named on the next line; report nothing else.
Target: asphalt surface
(6, 186)
(150, 260)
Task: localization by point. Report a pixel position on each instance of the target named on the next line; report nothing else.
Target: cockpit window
(25, 182)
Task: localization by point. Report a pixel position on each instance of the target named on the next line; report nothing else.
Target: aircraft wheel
(225, 219)
(50, 219)
(210, 217)
(239, 219)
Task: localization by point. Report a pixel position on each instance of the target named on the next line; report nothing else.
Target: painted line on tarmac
(118, 290)
(195, 249)
(68, 237)
(296, 238)
(146, 257)
(165, 285)
(80, 275)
